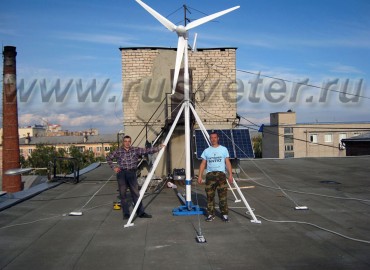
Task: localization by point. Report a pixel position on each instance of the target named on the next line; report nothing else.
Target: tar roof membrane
(39, 234)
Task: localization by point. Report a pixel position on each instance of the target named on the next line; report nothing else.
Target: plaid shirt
(128, 159)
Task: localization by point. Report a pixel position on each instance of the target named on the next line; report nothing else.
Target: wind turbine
(182, 33)
(182, 52)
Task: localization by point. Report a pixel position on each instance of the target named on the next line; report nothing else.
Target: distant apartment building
(49, 130)
(33, 131)
(285, 138)
(56, 130)
(100, 144)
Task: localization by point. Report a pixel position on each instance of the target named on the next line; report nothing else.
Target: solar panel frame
(237, 142)
(200, 143)
(243, 144)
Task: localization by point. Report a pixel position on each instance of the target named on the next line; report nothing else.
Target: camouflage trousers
(216, 181)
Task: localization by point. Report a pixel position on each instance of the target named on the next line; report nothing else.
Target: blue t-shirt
(215, 157)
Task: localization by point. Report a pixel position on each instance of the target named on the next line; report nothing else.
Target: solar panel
(243, 145)
(200, 143)
(237, 142)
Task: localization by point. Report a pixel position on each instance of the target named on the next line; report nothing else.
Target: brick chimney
(10, 122)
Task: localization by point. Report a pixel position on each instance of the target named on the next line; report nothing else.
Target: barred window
(288, 138)
(288, 130)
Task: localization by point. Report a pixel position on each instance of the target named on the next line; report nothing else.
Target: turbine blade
(209, 18)
(168, 24)
(179, 55)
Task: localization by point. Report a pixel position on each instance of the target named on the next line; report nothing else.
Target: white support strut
(155, 164)
(187, 127)
(254, 219)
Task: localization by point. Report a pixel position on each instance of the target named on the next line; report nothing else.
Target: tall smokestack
(10, 121)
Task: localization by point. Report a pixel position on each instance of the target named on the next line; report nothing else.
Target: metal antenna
(186, 19)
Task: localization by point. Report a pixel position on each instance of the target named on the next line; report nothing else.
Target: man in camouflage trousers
(216, 158)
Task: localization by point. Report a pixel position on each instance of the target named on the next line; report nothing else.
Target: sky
(75, 44)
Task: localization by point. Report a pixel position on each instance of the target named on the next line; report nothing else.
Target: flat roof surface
(39, 233)
(106, 138)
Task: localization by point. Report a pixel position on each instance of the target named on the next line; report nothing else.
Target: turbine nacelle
(181, 31)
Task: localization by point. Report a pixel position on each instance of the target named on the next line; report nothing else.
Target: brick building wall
(214, 77)
(146, 76)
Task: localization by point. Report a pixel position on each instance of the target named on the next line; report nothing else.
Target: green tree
(23, 161)
(257, 146)
(84, 158)
(41, 157)
(63, 165)
(44, 155)
(113, 147)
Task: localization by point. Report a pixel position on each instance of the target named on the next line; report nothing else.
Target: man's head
(213, 137)
(126, 141)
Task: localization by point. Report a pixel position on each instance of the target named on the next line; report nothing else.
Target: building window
(313, 138)
(289, 155)
(342, 136)
(98, 149)
(106, 148)
(328, 138)
(288, 147)
(288, 138)
(356, 134)
(30, 151)
(90, 149)
(288, 130)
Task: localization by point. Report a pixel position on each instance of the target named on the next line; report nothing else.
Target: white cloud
(105, 121)
(345, 69)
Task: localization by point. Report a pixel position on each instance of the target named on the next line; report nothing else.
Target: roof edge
(173, 49)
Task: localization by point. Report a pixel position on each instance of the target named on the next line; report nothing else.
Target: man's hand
(201, 170)
(162, 146)
(200, 180)
(117, 170)
(231, 179)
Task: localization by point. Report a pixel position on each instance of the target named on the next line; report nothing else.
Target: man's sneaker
(225, 218)
(210, 218)
(145, 215)
(126, 216)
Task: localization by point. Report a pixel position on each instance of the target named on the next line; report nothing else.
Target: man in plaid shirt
(127, 158)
